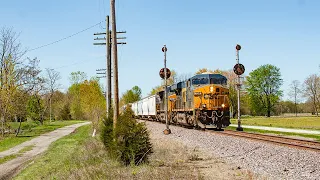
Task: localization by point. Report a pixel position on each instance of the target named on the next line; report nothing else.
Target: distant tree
(61, 106)
(203, 70)
(92, 102)
(263, 87)
(156, 89)
(10, 54)
(312, 90)
(52, 85)
(183, 77)
(76, 78)
(231, 84)
(170, 81)
(131, 95)
(294, 93)
(35, 108)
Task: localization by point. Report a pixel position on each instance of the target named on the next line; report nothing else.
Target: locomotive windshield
(197, 81)
(218, 80)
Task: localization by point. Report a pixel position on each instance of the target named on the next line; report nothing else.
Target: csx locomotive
(201, 101)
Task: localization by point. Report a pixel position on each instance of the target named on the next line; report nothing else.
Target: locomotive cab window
(200, 81)
(222, 81)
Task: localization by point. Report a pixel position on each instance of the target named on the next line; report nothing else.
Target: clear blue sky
(198, 34)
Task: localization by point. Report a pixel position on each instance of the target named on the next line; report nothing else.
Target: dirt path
(40, 144)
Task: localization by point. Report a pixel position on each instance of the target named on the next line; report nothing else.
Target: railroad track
(297, 143)
(292, 142)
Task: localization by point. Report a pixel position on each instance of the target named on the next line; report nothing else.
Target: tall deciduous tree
(92, 101)
(131, 95)
(294, 93)
(76, 78)
(52, 84)
(263, 86)
(312, 91)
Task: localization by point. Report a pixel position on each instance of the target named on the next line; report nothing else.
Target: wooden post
(115, 63)
(108, 69)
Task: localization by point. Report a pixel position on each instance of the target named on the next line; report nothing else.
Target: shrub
(130, 142)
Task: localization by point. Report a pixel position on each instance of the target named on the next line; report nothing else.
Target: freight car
(201, 101)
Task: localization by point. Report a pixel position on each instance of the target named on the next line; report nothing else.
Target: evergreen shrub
(130, 142)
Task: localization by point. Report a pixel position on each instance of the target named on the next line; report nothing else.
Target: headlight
(211, 89)
(223, 105)
(197, 93)
(204, 105)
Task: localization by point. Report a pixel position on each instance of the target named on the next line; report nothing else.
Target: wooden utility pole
(111, 44)
(108, 63)
(115, 63)
(108, 73)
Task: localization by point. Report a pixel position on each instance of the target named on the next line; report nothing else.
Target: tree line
(29, 93)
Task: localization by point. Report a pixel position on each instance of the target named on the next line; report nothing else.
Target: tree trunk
(2, 124)
(18, 131)
(315, 106)
(268, 107)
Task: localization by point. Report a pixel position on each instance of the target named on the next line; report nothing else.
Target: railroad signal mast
(165, 76)
(238, 69)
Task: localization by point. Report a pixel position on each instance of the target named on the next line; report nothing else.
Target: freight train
(201, 101)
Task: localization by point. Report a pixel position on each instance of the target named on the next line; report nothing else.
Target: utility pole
(115, 62)
(108, 71)
(108, 63)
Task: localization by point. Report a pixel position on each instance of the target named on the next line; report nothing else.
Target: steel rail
(306, 144)
(299, 143)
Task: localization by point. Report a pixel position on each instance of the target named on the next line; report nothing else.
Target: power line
(75, 63)
(100, 14)
(64, 37)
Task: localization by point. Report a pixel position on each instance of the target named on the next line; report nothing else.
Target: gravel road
(40, 144)
(266, 160)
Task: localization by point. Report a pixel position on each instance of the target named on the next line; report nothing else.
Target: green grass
(31, 130)
(13, 156)
(79, 156)
(312, 123)
(8, 158)
(25, 149)
(59, 157)
(315, 137)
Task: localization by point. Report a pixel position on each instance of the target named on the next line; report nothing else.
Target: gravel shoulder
(40, 144)
(257, 160)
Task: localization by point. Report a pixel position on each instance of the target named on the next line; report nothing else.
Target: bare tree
(312, 88)
(52, 82)
(10, 55)
(294, 93)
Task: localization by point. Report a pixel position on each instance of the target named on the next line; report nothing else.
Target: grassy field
(286, 122)
(79, 156)
(30, 130)
(294, 135)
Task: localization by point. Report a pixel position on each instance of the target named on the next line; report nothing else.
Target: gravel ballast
(264, 159)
